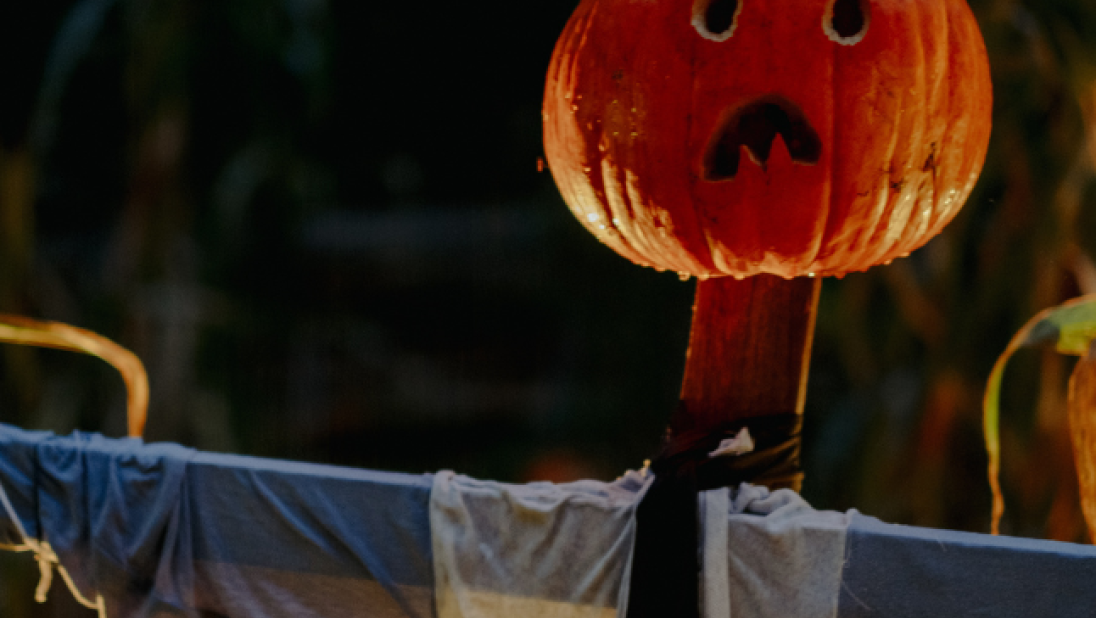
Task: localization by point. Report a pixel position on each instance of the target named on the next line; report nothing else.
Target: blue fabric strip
(326, 520)
(17, 469)
(898, 571)
(160, 529)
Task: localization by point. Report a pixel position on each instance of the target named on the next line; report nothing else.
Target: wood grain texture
(749, 349)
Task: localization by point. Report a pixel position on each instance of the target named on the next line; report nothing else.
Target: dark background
(321, 225)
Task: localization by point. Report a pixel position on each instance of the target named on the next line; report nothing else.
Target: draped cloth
(536, 551)
(160, 530)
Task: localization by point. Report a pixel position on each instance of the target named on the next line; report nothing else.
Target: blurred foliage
(321, 225)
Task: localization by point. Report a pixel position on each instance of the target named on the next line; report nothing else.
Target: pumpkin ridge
(704, 239)
(929, 165)
(943, 110)
(567, 81)
(868, 233)
(918, 120)
(612, 173)
(864, 188)
(825, 238)
(972, 163)
(885, 202)
(948, 201)
(829, 251)
(591, 152)
(892, 190)
(913, 232)
(939, 211)
(636, 239)
(621, 177)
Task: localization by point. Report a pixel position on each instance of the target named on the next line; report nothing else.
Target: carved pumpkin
(737, 137)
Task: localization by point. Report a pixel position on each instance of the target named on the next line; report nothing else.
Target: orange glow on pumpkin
(737, 137)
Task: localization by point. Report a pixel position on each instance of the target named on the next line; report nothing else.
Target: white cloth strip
(536, 551)
(783, 557)
(715, 591)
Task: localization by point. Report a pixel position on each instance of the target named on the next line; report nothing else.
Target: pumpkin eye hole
(715, 20)
(846, 21)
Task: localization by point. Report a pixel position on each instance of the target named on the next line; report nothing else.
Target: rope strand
(47, 561)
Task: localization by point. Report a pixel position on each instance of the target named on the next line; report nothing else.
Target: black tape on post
(665, 580)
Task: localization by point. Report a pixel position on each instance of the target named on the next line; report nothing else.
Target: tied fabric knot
(773, 462)
(666, 563)
(741, 444)
(47, 561)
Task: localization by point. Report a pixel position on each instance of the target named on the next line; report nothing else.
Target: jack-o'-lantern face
(733, 137)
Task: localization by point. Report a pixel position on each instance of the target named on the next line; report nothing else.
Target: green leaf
(1076, 325)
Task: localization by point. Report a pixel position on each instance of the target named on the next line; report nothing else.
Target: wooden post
(749, 350)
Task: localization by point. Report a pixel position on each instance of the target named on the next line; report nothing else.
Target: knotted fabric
(666, 564)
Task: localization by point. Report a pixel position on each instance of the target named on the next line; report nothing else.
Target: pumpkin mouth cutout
(753, 127)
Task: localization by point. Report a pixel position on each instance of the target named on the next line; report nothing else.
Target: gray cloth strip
(783, 557)
(537, 551)
(715, 591)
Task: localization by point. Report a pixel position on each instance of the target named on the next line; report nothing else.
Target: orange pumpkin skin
(636, 98)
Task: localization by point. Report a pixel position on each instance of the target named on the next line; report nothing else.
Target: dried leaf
(25, 331)
(1069, 327)
(1082, 431)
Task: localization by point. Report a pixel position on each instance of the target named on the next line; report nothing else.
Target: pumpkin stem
(749, 352)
